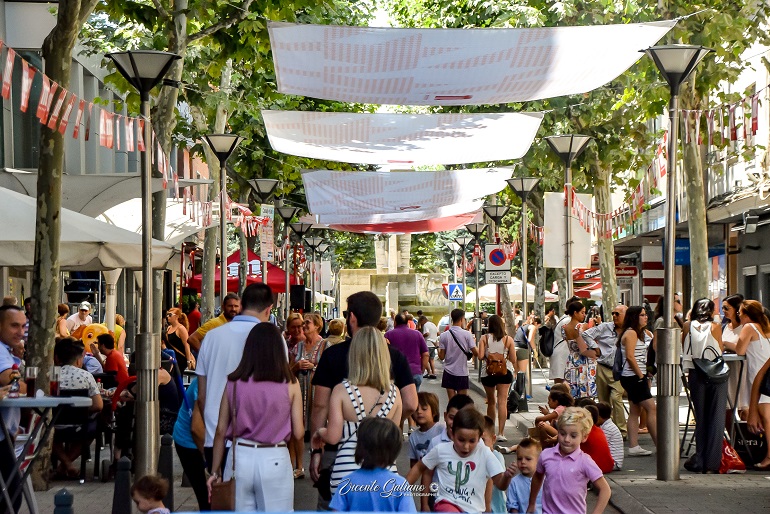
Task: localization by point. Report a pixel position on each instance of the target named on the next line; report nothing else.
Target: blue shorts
(417, 380)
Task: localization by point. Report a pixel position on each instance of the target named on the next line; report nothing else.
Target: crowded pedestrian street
(385, 255)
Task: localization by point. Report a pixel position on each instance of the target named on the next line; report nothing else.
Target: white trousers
(263, 479)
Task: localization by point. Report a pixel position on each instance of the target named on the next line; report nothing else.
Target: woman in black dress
(176, 339)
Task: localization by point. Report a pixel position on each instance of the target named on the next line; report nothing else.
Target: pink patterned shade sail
(409, 66)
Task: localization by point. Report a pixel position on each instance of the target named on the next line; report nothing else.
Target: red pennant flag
(66, 116)
(43, 101)
(27, 74)
(106, 138)
(710, 126)
(49, 102)
(8, 73)
(731, 120)
(55, 115)
(129, 134)
(697, 127)
(78, 118)
(117, 131)
(140, 137)
(88, 121)
(754, 114)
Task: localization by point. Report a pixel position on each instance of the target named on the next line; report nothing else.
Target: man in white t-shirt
(430, 333)
(221, 352)
(80, 318)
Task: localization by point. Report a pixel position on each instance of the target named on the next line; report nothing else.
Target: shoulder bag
(468, 355)
(223, 493)
(712, 371)
(495, 361)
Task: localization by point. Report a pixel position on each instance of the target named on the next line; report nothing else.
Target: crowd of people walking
(346, 387)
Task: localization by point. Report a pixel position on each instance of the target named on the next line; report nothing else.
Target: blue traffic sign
(456, 293)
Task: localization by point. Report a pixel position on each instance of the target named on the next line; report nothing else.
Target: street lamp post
(675, 63)
(463, 242)
(496, 213)
(144, 69)
(264, 189)
(286, 214)
(568, 147)
(223, 146)
(477, 230)
(313, 243)
(455, 248)
(300, 229)
(523, 186)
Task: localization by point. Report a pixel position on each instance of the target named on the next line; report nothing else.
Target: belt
(259, 445)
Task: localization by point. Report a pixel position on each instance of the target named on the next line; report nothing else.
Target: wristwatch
(316, 451)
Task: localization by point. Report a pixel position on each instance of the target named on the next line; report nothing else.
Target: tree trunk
(696, 201)
(210, 236)
(606, 245)
(539, 270)
(561, 278)
(46, 290)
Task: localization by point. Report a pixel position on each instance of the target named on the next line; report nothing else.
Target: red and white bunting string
(57, 115)
(250, 224)
(607, 225)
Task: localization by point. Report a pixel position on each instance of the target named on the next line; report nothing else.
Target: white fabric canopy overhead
(453, 66)
(345, 193)
(88, 194)
(385, 138)
(85, 244)
(179, 226)
(487, 293)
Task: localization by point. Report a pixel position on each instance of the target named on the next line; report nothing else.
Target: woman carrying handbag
(702, 339)
(259, 462)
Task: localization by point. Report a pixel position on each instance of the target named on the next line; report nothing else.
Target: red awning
(276, 276)
(586, 292)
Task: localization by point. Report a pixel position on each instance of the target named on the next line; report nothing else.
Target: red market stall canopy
(417, 66)
(411, 227)
(387, 138)
(276, 276)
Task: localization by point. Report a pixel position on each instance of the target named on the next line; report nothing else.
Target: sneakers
(638, 451)
(501, 438)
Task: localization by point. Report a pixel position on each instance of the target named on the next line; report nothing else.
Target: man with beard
(231, 307)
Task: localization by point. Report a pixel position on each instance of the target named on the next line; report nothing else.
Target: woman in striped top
(368, 391)
(633, 344)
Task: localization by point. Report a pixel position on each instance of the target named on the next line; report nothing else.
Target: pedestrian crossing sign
(456, 293)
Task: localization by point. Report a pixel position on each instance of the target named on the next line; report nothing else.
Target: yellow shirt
(211, 325)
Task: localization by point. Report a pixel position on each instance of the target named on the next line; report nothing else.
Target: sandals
(299, 473)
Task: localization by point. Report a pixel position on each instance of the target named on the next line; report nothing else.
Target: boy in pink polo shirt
(567, 469)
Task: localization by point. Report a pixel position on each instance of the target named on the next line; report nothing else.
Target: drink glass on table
(30, 378)
(54, 384)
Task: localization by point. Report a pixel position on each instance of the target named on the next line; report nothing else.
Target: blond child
(148, 493)
(517, 496)
(463, 466)
(568, 469)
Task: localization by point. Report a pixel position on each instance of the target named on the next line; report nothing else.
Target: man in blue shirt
(12, 321)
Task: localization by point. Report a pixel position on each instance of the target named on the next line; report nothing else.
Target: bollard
(63, 502)
(166, 468)
(121, 496)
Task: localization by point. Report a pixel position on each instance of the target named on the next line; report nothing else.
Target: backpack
(513, 401)
(547, 339)
(619, 362)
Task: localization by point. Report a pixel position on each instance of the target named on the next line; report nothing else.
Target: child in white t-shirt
(463, 466)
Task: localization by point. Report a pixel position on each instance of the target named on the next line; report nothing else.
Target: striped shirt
(615, 440)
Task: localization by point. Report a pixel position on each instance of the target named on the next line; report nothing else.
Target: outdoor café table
(741, 360)
(47, 407)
